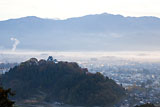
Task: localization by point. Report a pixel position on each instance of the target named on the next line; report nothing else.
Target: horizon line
(125, 16)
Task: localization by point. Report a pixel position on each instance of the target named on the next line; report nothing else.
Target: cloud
(16, 42)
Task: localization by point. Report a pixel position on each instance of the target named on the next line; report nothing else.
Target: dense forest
(64, 82)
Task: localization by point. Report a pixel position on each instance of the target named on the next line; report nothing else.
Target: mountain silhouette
(98, 32)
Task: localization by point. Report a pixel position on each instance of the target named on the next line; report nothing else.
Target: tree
(4, 101)
(146, 105)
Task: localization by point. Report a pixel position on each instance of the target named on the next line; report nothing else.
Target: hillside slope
(99, 32)
(64, 82)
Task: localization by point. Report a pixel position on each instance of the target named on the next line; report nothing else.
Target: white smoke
(16, 42)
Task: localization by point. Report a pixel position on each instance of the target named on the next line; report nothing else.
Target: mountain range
(98, 32)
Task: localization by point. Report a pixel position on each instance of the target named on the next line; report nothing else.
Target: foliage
(146, 105)
(62, 82)
(4, 101)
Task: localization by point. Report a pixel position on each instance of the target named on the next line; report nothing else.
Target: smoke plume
(16, 42)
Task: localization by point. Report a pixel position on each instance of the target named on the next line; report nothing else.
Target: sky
(63, 9)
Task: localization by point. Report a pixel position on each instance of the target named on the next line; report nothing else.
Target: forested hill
(61, 82)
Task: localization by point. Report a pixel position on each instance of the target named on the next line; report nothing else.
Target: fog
(140, 56)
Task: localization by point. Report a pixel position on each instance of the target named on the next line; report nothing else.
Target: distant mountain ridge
(99, 32)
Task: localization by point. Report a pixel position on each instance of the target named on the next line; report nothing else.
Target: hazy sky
(74, 8)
